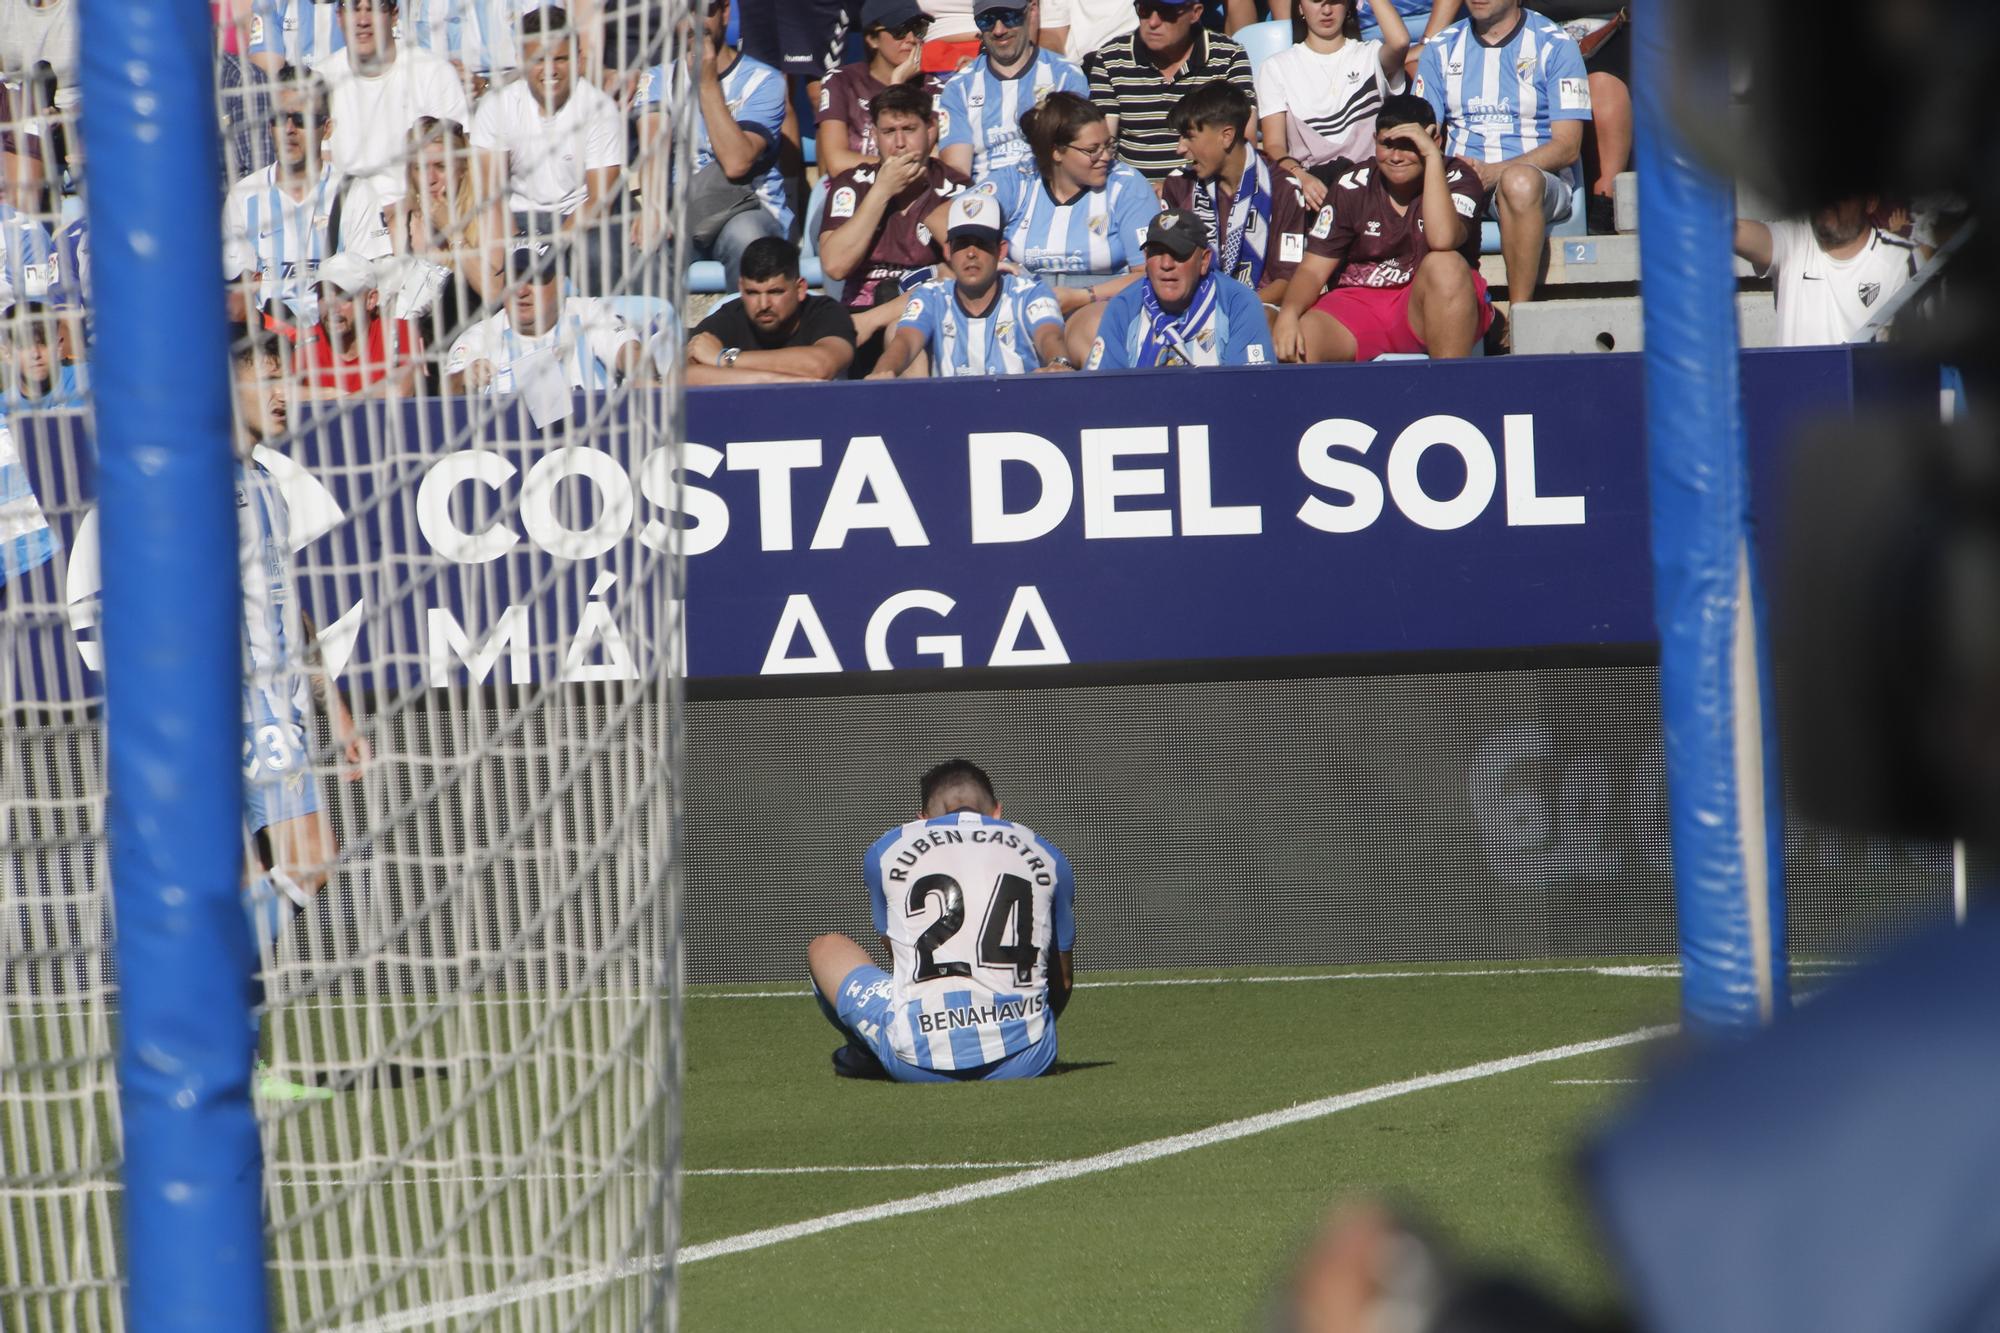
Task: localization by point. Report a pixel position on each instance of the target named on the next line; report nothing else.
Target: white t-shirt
(1092, 23)
(372, 115)
(547, 156)
(951, 20)
(585, 339)
(1825, 300)
(1329, 100)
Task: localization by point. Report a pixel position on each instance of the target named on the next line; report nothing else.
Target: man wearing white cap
(352, 349)
(1183, 314)
(979, 321)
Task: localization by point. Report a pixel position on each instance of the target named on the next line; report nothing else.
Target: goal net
(451, 244)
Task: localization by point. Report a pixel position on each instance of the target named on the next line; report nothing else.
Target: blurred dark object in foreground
(1889, 606)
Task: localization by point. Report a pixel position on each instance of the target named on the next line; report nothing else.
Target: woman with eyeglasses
(894, 33)
(1318, 97)
(1078, 220)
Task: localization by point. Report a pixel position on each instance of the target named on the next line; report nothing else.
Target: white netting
(456, 237)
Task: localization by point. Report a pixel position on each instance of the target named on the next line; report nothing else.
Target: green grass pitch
(1194, 1240)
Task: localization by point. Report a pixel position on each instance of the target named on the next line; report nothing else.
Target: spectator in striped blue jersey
(39, 382)
(1079, 219)
(1184, 313)
(481, 38)
(977, 915)
(275, 221)
(27, 257)
(1256, 215)
(774, 332)
(885, 218)
(300, 33)
(1137, 79)
(1509, 87)
(979, 116)
(737, 194)
(589, 345)
(558, 143)
(1319, 96)
(979, 321)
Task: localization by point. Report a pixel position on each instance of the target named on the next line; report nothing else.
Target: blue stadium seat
(1576, 224)
(706, 278)
(1261, 41)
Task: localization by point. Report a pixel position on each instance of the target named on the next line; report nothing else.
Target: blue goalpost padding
(172, 631)
(1724, 794)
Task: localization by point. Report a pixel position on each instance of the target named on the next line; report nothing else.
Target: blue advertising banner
(1045, 520)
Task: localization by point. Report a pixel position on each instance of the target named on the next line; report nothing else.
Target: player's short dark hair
(550, 21)
(768, 257)
(960, 784)
(1405, 109)
(1218, 104)
(291, 79)
(904, 99)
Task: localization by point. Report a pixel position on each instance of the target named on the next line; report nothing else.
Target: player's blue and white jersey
(1099, 231)
(304, 32)
(72, 284)
(973, 908)
(1498, 102)
(281, 239)
(980, 108)
(274, 679)
(480, 35)
(999, 342)
(756, 96)
(29, 256)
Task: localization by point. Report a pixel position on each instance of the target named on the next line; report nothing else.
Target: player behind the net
(977, 915)
(289, 842)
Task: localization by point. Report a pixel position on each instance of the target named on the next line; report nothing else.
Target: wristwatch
(1062, 361)
(728, 357)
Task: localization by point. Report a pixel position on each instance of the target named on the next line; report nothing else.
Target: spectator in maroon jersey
(352, 349)
(1400, 231)
(894, 31)
(1256, 215)
(886, 218)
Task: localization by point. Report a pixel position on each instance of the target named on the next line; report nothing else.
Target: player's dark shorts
(863, 1004)
(804, 38)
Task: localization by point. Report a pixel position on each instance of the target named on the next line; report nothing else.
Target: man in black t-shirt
(774, 333)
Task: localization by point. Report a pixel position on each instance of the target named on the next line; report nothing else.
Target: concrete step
(1614, 324)
(1596, 260)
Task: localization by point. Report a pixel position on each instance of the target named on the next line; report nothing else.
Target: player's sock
(271, 901)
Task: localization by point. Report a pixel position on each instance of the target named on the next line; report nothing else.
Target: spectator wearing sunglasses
(1139, 78)
(894, 33)
(1078, 222)
(276, 221)
(979, 129)
(953, 41)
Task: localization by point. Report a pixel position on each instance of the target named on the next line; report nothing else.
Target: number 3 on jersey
(1010, 909)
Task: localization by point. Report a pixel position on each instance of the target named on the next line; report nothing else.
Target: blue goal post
(194, 1244)
(1725, 797)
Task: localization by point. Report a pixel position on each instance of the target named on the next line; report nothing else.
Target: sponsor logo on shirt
(1463, 204)
(1323, 224)
(1374, 227)
(1291, 247)
(1255, 355)
(1096, 357)
(1573, 94)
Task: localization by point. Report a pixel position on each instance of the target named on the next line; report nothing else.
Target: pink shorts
(1379, 317)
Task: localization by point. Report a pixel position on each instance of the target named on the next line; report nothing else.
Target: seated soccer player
(979, 321)
(977, 916)
(1184, 313)
(886, 218)
(351, 348)
(1398, 237)
(773, 333)
(590, 345)
(1256, 215)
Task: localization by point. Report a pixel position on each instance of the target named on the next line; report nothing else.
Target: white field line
(323, 1174)
(1134, 1155)
(1593, 1082)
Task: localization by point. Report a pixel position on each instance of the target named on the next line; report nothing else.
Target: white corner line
(1135, 1154)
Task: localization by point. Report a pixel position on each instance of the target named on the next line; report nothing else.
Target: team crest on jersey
(842, 203)
(1524, 66)
(1323, 224)
(1098, 225)
(1291, 247)
(1868, 291)
(1003, 330)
